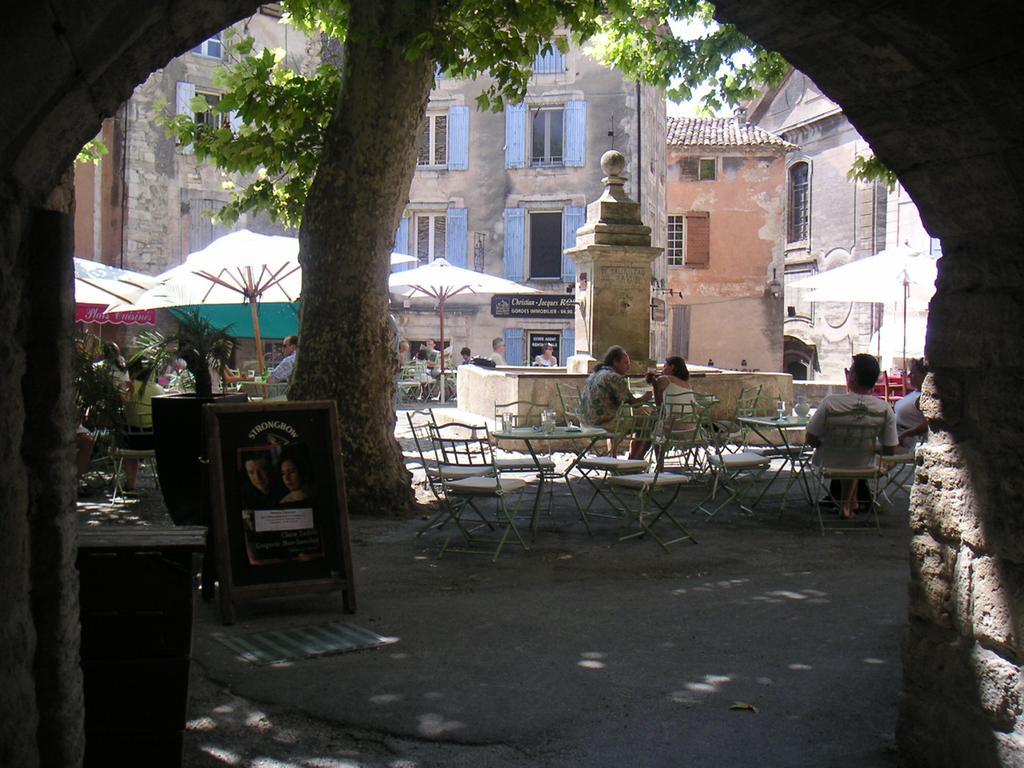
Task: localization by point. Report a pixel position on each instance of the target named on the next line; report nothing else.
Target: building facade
(830, 221)
(504, 193)
(726, 215)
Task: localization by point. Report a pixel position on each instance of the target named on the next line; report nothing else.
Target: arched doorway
(937, 93)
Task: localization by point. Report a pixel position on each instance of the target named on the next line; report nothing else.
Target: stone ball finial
(613, 162)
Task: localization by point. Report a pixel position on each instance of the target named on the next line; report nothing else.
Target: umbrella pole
(256, 333)
(906, 295)
(443, 387)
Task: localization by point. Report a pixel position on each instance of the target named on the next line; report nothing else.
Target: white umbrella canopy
(891, 275)
(97, 283)
(441, 281)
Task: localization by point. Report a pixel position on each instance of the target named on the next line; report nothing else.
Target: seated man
(467, 356)
(860, 380)
(283, 371)
(498, 353)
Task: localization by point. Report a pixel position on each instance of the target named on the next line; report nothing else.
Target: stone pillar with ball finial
(613, 255)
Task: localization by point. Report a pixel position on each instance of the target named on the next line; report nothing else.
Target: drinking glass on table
(783, 411)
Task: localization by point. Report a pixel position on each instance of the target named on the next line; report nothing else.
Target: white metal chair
(672, 436)
(848, 453)
(468, 448)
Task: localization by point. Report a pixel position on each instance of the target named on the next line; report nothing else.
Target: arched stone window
(798, 215)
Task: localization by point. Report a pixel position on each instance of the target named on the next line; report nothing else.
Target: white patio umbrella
(241, 266)
(441, 281)
(97, 283)
(898, 275)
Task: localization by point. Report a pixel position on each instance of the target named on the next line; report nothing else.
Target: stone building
(830, 221)
(726, 203)
(147, 204)
(505, 192)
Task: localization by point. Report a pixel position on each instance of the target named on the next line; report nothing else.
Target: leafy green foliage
(284, 114)
(198, 342)
(99, 398)
(93, 150)
(870, 169)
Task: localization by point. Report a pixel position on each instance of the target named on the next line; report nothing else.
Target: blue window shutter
(458, 138)
(402, 243)
(183, 96)
(457, 237)
(235, 120)
(515, 229)
(513, 346)
(568, 346)
(572, 219)
(515, 136)
(576, 133)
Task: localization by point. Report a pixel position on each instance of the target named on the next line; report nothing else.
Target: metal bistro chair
(732, 432)
(434, 467)
(138, 424)
(410, 387)
(631, 424)
(569, 396)
(671, 436)
(848, 453)
(468, 448)
(900, 473)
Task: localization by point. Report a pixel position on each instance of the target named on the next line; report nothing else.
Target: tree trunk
(348, 227)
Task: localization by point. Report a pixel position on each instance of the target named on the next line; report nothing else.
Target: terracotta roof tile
(721, 132)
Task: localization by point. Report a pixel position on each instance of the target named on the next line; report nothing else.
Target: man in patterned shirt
(283, 371)
(606, 389)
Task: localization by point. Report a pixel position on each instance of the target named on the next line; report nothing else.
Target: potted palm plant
(178, 426)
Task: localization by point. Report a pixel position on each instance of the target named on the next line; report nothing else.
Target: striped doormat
(301, 642)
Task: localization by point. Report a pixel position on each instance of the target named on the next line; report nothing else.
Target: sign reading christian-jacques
(551, 306)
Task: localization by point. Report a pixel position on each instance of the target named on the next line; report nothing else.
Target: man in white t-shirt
(860, 380)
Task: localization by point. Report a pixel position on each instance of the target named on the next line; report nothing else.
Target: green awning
(277, 320)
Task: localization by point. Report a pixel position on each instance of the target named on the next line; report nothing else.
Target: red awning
(93, 313)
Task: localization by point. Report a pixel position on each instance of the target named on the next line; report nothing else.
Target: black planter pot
(180, 442)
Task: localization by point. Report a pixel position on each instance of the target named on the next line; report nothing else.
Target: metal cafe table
(576, 440)
(766, 428)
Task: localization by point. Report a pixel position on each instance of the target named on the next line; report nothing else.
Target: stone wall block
(997, 587)
(932, 566)
(943, 499)
(999, 688)
(961, 595)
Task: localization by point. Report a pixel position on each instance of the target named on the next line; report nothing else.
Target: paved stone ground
(577, 652)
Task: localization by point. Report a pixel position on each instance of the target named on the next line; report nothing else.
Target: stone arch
(934, 88)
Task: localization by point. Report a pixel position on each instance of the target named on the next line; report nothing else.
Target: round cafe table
(576, 440)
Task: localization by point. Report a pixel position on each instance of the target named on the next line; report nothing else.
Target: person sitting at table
(498, 351)
(139, 418)
(860, 381)
(467, 356)
(404, 356)
(283, 372)
(673, 381)
(910, 422)
(547, 357)
(606, 389)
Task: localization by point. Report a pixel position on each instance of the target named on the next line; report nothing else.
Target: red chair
(895, 386)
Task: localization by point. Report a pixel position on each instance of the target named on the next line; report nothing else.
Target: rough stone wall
(939, 98)
(75, 64)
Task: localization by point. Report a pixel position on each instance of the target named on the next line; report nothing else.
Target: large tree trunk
(348, 227)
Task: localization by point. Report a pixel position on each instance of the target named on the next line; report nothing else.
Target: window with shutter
(514, 341)
(679, 340)
(546, 139)
(515, 136)
(799, 203)
(545, 245)
(202, 229)
(433, 146)
(458, 138)
(551, 62)
(515, 229)
(572, 220)
(798, 306)
(576, 133)
(707, 169)
(431, 240)
(457, 237)
(211, 48)
(675, 249)
(698, 238)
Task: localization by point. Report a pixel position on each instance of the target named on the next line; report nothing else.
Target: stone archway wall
(933, 87)
(936, 90)
(73, 63)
